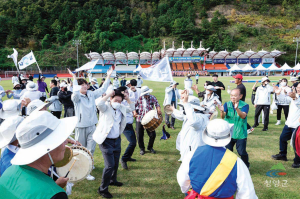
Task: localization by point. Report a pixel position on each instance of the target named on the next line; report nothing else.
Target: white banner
(160, 72)
(27, 60)
(14, 56)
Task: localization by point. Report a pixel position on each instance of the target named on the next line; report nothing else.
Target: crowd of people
(33, 139)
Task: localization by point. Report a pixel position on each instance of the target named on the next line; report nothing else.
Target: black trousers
(285, 108)
(56, 114)
(266, 109)
(241, 149)
(172, 118)
(140, 136)
(285, 136)
(130, 136)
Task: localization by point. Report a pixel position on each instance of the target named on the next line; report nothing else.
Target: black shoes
(117, 184)
(279, 157)
(264, 129)
(152, 151)
(294, 165)
(169, 125)
(132, 160)
(104, 194)
(142, 152)
(254, 126)
(124, 164)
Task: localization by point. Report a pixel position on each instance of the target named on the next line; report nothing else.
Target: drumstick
(71, 166)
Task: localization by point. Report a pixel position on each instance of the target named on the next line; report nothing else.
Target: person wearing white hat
(194, 123)
(9, 141)
(235, 112)
(31, 91)
(139, 81)
(123, 81)
(16, 92)
(211, 100)
(188, 82)
(56, 106)
(116, 83)
(9, 108)
(94, 84)
(171, 97)
(112, 123)
(282, 103)
(295, 82)
(262, 102)
(42, 139)
(211, 171)
(144, 104)
(37, 105)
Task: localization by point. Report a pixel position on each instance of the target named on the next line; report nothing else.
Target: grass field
(154, 175)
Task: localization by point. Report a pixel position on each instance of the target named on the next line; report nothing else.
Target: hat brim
(149, 91)
(199, 108)
(41, 107)
(51, 142)
(16, 85)
(211, 89)
(32, 89)
(4, 142)
(5, 114)
(217, 143)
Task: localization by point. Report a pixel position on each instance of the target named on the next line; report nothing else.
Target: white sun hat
(31, 86)
(195, 102)
(36, 105)
(94, 80)
(293, 79)
(174, 83)
(217, 133)
(9, 108)
(8, 130)
(39, 134)
(145, 90)
(15, 84)
(127, 82)
(211, 88)
(264, 79)
(63, 85)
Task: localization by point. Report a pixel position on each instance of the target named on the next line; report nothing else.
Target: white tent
(286, 67)
(235, 68)
(273, 67)
(260, 67)
(88, 65)
(248, 68)
(297, 67)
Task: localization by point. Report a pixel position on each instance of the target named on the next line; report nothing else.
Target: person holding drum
(144, 104)
(194, 123)
(112, 122)
(171, 97)
(42, 139)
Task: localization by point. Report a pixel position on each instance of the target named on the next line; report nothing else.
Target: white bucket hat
(127, 82)
(195, 102)
(8, 129)
(15, 84)
(94, 80)
(217, 133)
(39, 134)
(173, 83)
(31, 86)
(9, 108)
(145, 90)
(293, 79)
(63, 85)
(36, 105)
(211, 88)
(264, 79)
(139, 76)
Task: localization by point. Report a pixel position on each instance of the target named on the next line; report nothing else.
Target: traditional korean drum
(82, 167)
(67, 158)
(151, 120)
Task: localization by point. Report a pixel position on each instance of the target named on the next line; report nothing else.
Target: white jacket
(192, 128)
(245, 187)
(116, 84)
(139, 83)
(281, 98)
(210, 103)
(169, 94)
(294, 112)
(263, 95)
(106, 119)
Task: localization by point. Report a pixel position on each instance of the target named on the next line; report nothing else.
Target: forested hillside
(48, 26)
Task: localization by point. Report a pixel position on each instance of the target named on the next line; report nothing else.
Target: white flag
(160, 72)
(27, 60)
(14, 56)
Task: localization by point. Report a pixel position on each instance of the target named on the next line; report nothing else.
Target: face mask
(17, 88)
(207, 92)
(139, 78)
(283, 84)
(267, 83)
(115, 105)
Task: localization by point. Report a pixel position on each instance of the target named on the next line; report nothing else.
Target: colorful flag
(27, 60)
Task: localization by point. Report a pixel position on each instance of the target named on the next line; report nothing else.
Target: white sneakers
(278, 122)
(90, 177)
(250, 130)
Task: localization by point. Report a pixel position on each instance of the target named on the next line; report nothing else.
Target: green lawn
(154, 176)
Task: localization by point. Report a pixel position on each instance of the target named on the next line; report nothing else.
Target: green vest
(240, 125)
(27, 183)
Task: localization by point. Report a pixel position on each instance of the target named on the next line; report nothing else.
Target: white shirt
(32, 95)
(115, 130)
(210, 103)
(282, 94)
(245, 187)
(294, 113)
(14, 79)
(263, 95)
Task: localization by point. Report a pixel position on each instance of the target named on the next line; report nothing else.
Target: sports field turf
(154, 175)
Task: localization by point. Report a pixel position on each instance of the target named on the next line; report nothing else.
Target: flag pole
(37, 63)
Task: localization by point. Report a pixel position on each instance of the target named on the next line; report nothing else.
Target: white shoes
(250, 130)
(90, 177)
(278, 122)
